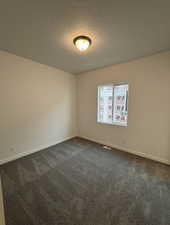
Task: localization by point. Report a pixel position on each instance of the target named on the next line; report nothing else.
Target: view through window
(113, 104)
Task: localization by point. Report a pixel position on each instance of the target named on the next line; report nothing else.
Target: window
(113, 104)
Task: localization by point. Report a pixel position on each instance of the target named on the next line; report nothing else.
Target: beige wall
(148, 131)
(37, 106)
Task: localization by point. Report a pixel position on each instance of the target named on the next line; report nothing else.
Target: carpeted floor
(79, 183)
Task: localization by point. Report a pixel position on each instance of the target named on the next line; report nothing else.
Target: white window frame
(113, 123)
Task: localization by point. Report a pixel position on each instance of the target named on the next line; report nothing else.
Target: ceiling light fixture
(82, 42)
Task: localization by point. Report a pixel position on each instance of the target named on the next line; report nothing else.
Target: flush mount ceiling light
(82, 42)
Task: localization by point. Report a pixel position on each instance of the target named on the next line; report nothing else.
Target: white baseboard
(22, 154)
(144, 155)
(25, 153)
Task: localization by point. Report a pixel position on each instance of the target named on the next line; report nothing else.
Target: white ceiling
(121, 30)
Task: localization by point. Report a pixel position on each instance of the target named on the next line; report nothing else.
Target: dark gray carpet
(79, 183)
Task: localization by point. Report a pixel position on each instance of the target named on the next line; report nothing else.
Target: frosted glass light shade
(82, 42)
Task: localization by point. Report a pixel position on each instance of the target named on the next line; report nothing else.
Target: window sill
(113, 124)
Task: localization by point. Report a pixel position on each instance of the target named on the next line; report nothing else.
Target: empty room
(85, 112)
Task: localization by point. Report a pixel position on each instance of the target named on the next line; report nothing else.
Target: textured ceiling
(121, 30)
